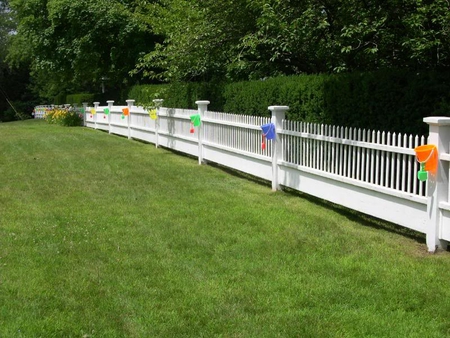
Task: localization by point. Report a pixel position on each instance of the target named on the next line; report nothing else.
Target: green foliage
(179, 94)
(303, 94)
(14, 82)
(60, 99)
(7, 26)
(185, 94)
(200, 38)
(78, 99)
(64, 117)
(385, 100)
(75, 45)
(253, 39)
(145, 94)
(389, 100)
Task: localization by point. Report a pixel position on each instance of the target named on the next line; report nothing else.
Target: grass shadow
(360, 218)
(241, 174)
(355, 216)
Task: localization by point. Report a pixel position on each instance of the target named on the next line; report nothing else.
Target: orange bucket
(427, 154)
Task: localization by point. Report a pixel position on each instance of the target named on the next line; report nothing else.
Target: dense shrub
(59, 99)
(179, 95)
(22, 110)
(184, 95)
(145, 94)
(389, 100)
(78, 99)
(303, 95)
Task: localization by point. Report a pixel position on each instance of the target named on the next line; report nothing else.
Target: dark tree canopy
(70, 45)
(258, 38)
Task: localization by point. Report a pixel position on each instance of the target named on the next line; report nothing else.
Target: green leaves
(244, 39)
(73, 44)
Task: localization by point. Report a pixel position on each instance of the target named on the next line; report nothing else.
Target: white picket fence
(369, 171)
(39, 111)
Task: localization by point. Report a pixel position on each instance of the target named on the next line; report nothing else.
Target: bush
(388, 100)
(303, 95)
(22, 110)
(78, 99)
(145, 94)
(59, 99)
(64, 117)
(179, 95)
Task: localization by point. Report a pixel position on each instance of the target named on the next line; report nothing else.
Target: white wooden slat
(362, 155)
(397, 164)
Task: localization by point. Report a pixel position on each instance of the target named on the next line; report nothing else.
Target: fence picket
(338, 150)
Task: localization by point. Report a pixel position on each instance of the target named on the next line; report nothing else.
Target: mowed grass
(101, 236)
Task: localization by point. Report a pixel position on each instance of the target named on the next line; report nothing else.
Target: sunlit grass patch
(106, 237)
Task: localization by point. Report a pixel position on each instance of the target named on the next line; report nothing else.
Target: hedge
(388, 100)
(78, 99)
(59, 99)
(179, 95)
(145, 94)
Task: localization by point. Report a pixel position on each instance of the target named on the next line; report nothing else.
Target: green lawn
(101, 236)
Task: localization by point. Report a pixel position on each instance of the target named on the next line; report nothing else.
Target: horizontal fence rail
(369, 171)
(379, 158)
(39, 111)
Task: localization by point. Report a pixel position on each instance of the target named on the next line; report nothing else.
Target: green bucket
(195, 119)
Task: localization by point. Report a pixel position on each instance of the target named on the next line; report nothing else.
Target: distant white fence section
(39, 111)
(369, 171)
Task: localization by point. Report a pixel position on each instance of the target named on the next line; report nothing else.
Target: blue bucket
(268, 131)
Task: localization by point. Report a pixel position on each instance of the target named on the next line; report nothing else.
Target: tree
(200, 38)
(13, 82)
(75, 45)
(241, 39)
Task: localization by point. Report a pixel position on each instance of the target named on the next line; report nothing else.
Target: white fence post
(158, 104)
(130, 104)
(202, 108)
(438, 185)
(96, 104)
(110, 103)
(278, 115)
(85, 104)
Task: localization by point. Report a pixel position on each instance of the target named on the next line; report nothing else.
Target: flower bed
(64, 117)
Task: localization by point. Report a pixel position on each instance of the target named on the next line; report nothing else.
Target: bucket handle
(429, 156)
(268, 129)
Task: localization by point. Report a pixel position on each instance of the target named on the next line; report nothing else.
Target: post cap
(202, 102)
(282, 108)
(437, 120)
